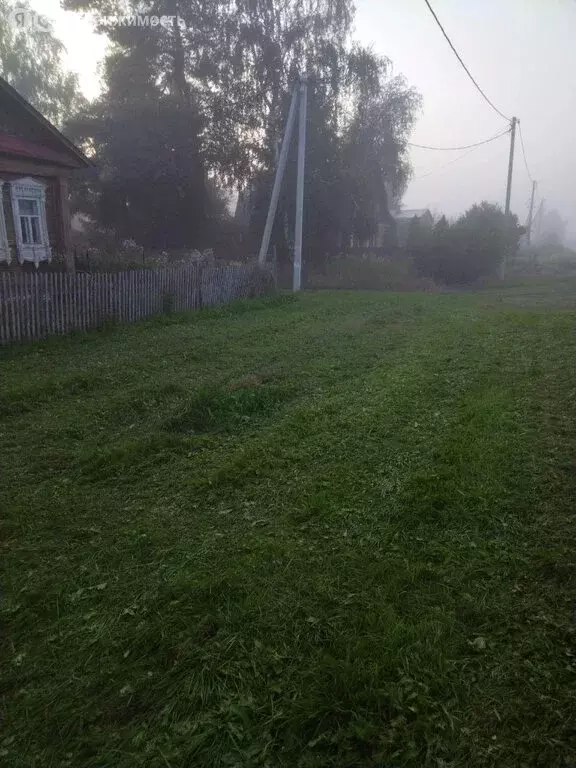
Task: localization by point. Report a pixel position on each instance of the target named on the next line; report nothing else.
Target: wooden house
(36, 162)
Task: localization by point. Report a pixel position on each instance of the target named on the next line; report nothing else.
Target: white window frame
(32, 190)
(4, 247)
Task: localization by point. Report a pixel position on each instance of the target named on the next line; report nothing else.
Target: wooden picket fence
(33, 306)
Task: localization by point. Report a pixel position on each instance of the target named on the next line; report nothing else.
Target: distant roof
(67, 145)
(410, 213)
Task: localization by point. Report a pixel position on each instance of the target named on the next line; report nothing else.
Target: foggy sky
(521, 52)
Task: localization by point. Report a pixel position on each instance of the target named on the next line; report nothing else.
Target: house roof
(12, 145)
(410, 213)
(16, 146)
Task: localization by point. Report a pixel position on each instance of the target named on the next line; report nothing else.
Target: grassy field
(336, 530)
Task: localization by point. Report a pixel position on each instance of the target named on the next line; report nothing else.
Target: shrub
(473, 247)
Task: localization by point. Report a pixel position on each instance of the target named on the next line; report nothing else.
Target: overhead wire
(467, 146)
(456, 159)
(463, 64)
(445, 165)
(524, 152)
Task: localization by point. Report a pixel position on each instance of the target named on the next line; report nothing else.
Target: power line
(462, 63)
(461, 157)
(468, 146)
(524, 152)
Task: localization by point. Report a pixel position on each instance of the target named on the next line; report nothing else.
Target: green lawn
(335, 530)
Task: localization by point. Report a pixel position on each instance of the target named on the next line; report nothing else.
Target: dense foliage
(474, 246)
(31, 61)
(226, 71)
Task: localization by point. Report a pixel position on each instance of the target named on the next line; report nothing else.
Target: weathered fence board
(33, 306)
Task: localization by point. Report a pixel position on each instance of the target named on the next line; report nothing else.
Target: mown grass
(327, 531)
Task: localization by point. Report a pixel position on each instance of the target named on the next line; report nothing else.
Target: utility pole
(529, 226)
(297, 277)
(510, 164)
(299, 102)
(509, 187)
(278, 178)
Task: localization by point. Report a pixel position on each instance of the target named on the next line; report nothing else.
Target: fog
(522, 54)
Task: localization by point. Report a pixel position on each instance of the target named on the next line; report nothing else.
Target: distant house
(403, 219)
(36, 161)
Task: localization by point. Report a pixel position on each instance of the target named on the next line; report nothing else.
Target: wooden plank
(148, 284)
(117, 302)
(82, 301)
(103, 294)
(65, 302)
(96, 299)
(109, 289)
(18, 305)
(6, 332)
(149, 293)
(36, 310)
(146, 292)
(55, 303)
(33, 315)
(187, 287)
(49, 303)
(88, 297)
(92, 285)
(3, 329)
(21, 292)
(18, 299)
(65, 305)
(155, 292)
(128, 295)
(29, 293)
(10, 294)
(60, 300)
(44, 304)
(75, 285)
(121, 298)
(76, 281)
(55, 309)
(101, 297)
(84, 305)
(135, 295)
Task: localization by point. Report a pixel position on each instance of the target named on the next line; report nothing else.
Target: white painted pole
(278, 178)
(300, 185)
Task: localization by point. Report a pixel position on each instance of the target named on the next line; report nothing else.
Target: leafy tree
(441, 228)
(31, 61)
(152, 184)
(473, 247)
(552, 229)
(232, 66)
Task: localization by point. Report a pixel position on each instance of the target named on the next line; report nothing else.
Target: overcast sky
(521, 52)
